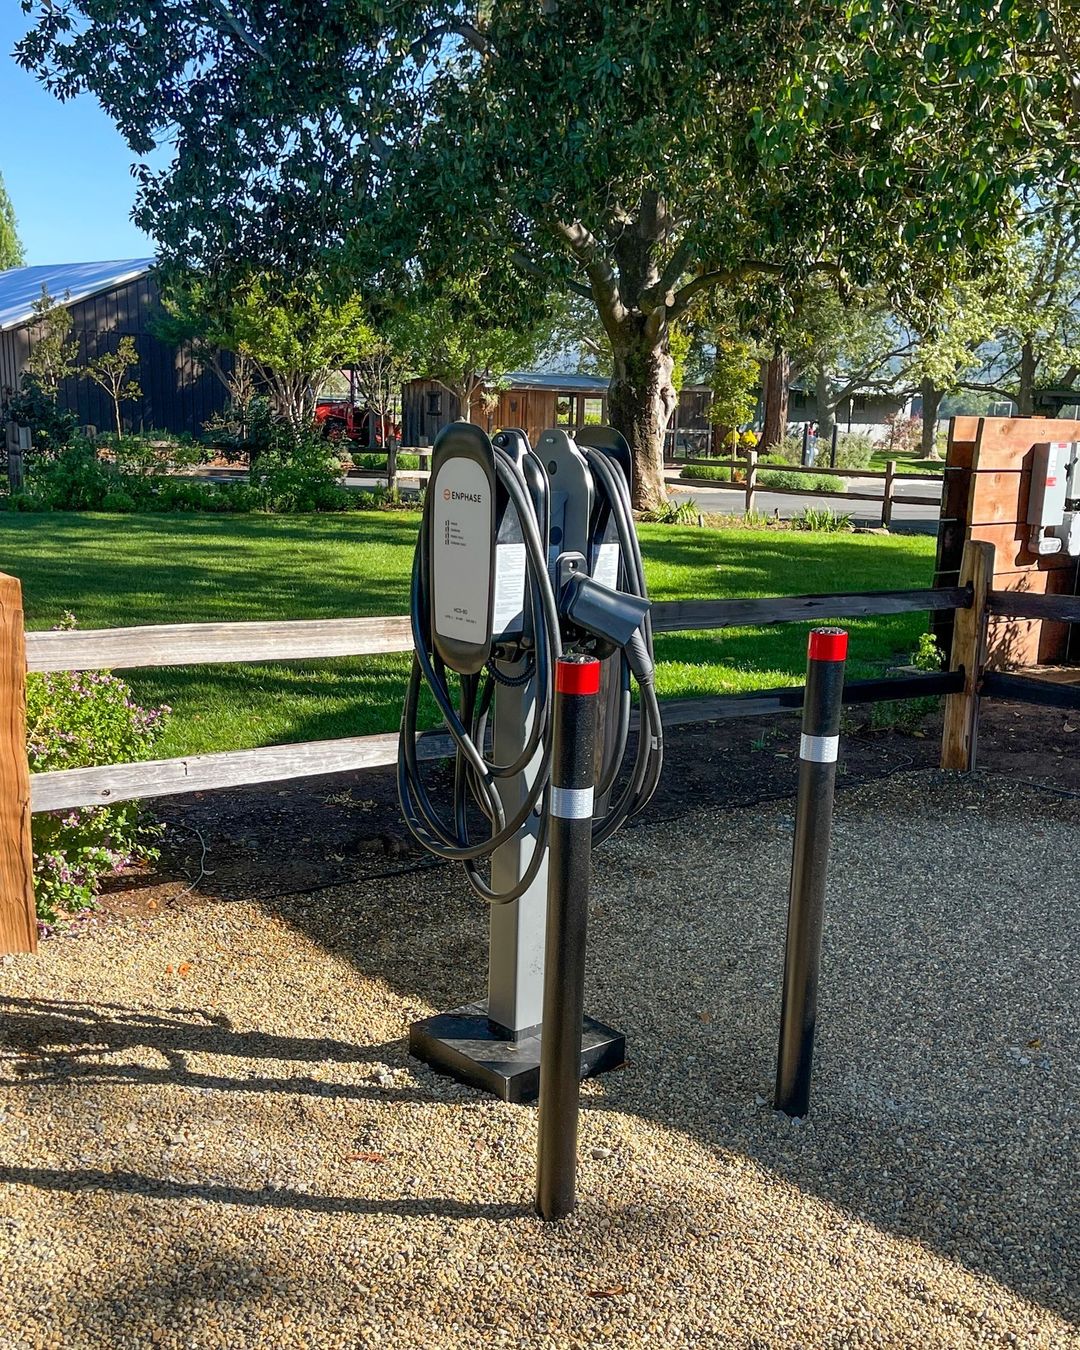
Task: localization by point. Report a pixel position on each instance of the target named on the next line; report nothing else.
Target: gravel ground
(212, 1134)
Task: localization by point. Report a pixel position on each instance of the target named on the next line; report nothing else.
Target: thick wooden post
(751, 479)
(887, 498)
(18, 920)
(959, 739)
(391, 464)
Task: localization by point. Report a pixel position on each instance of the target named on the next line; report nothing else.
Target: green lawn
(908, 462)
(119, 570)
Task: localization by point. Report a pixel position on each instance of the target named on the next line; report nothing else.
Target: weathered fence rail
(188, 644)
(392, 453)
(197, 644)
(751, 467)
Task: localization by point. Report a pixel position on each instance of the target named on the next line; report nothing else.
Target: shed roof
(563, 383)
(66, 282)
(546, 379)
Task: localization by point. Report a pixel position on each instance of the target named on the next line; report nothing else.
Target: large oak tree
(641, 153)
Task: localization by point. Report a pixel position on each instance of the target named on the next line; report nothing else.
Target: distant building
(866, 413)
(536, 400)
(108, 301)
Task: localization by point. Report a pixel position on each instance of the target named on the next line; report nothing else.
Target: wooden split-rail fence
(22, 793)
(748, 469)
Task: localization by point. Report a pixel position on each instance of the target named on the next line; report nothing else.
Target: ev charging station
(524, 555)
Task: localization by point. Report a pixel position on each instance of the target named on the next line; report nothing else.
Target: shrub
(118, 500)
(902, 433)
(799, 482)
(154, 452)
(370, 460)
(75, 720)
(928, 654)
(76, 480)
(714, 472)
(854, 450)
(822, 521)
(787, 450)
(673, 513)
(26, 501)
(51, 426)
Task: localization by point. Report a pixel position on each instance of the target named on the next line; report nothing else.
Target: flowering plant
(74, 720)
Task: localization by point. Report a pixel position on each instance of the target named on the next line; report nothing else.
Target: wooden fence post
(751, 479)
(18, 442)
(18, 920)
(887, 498)
(391, 464)
(959, 738)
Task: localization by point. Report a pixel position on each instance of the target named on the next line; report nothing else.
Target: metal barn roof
(67, 282)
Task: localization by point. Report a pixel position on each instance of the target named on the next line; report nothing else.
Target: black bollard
(809, 866)
(577, 683)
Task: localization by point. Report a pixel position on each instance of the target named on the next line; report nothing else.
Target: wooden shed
(108, 301)
(536, 400)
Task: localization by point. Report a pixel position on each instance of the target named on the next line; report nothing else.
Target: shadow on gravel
(66, 1041)
(73, 1180)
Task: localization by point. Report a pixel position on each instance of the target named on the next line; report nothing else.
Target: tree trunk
(641, 399)
(116, 415)
(1026, 393)
(777, 379)
(931, 402)
(826, 407)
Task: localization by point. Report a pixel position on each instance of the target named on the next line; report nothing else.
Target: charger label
(508, 615)
(461, 551)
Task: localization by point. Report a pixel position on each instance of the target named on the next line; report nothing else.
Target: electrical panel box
(1054, 499)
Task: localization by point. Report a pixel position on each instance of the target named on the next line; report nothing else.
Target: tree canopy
(642, 153)
(290, 339)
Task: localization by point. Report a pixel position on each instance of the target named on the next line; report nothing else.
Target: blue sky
(66, 168)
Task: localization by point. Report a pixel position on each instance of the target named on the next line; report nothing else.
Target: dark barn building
(108, 301)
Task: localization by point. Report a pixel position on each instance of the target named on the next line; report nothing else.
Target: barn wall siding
(177, 394)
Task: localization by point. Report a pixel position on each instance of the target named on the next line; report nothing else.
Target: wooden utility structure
(987, 479)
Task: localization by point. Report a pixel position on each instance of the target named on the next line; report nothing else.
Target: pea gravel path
(210, 1133)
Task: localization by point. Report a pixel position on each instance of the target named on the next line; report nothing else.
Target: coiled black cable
(637, 657)
(476, 777)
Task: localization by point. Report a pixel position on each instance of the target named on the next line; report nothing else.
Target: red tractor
(340, 419)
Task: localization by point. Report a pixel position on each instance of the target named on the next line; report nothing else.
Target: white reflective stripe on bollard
(819, 749)
(572, 803)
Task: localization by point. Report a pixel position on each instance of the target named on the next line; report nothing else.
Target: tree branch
(238, 29)
(526, 264)
(604, 285)
(469, 34)
(725, 276)
(662, 293)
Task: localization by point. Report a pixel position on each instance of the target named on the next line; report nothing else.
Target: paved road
(911, 519)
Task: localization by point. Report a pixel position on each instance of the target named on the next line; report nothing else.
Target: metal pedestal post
(495, 1045)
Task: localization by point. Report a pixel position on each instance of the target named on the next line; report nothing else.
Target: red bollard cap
(577, 675)
(828, 644)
